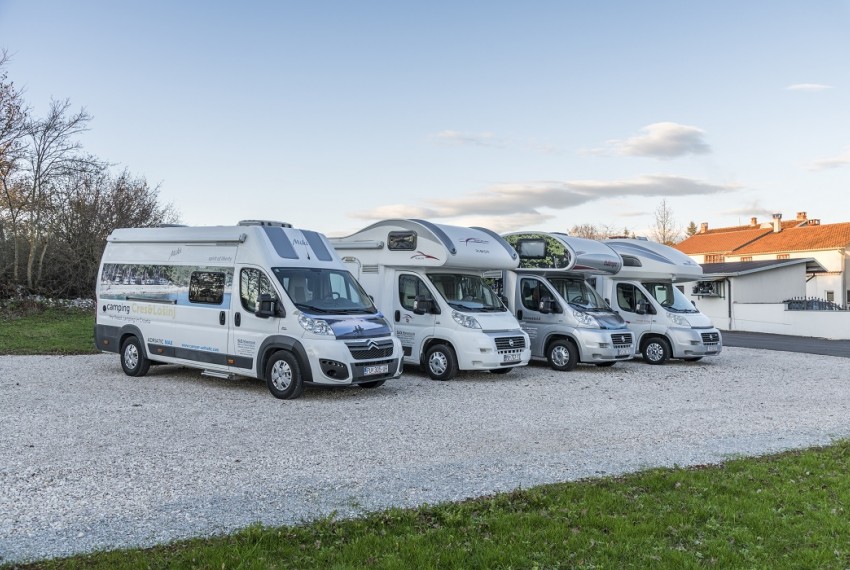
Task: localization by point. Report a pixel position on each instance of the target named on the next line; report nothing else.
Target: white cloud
(523, 202)
(833, 162)
(663, 140)
(808, 87)
(457, 138)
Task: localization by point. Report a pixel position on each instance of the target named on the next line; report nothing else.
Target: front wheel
(500, 370)
(283, 376)
(656, 350)
(562, 355)
(133, 359)
(441, 362)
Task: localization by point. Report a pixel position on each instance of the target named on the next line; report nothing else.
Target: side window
(401, 241)
(628, 297)
(253, 282)
(409, 287)
(532, 292)
(206, 287)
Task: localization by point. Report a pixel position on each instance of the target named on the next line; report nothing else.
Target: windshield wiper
(305, 307)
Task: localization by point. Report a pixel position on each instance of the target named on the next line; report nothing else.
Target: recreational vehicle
(428, 278)
(665, 324)
(566, 320)
(259, 299)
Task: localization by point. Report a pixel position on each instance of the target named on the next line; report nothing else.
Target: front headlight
(586, 320)
(678, 320)
(315, 326)
(466, 320)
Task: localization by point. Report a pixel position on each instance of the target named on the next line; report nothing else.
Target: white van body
(260, 299)
(566, 319)
(428, 278)
(666, 324)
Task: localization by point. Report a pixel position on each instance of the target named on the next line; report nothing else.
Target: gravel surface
(91, 459)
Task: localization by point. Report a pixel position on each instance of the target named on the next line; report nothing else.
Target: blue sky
(511, 115)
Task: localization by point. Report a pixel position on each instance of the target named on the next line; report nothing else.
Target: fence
(811, 304)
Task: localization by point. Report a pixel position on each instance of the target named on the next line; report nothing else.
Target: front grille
(369, 349)
(510, 343)
(711, 337)
(622, 339)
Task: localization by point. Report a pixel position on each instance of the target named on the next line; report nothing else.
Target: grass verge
(783, 511)
(35, 329)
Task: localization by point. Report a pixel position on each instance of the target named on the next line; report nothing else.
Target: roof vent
(264, 223)
(813, 222)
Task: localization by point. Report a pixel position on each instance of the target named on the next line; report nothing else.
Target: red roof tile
(720, 242)
(805, 238)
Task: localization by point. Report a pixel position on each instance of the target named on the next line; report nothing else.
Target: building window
(783, 256)
(830, 296)
(708, 289)
(715, 258)
(747, 258)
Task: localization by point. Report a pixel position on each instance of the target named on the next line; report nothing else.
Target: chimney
(801, 216)
(777, 223)
(703, 227)
(754, 221)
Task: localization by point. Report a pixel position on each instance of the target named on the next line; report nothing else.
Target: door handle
(221, 318)
(519, 315)
(397, 316)
(237, 319)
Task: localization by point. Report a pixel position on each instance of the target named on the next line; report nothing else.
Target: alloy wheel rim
(654, 351)
(560, 356)
(281, 375)
(131, 356)
(438, 363)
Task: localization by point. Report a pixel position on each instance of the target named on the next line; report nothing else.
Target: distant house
(803, 237)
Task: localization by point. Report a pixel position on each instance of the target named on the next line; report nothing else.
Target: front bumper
(694, 343)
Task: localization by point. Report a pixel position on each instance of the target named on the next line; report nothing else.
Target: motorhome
(428, 278)
(565, 318)
(260, 299)
(644, 292)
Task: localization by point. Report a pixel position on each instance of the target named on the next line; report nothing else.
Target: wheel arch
(132, 330)
(277, 343)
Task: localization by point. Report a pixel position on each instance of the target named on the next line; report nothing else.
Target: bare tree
(592, 231)
(666, 230)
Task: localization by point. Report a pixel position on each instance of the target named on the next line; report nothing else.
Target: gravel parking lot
(92, 459)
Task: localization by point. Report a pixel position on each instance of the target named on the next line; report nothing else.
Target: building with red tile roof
(801, 237)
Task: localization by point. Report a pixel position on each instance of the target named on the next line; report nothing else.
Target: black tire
(500, 370)
(692, 358)
(283, 376)
(656, 350)
(372, 384)
(133, 359)
(606, 364)
(562, 355)
(441, 362)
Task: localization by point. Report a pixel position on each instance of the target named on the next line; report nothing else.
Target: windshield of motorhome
(670, 298)
(578, 293)
(466, 292)
(324, 290)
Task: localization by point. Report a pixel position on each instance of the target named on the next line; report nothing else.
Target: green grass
(34, 329)
(783, 511)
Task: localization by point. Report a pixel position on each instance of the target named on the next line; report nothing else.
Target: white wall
(775, 319)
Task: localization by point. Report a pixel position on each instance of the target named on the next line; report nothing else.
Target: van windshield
(466, 292)
(324, 290)
(579, 294)
(670, 298)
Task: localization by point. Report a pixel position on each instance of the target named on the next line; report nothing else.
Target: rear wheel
(283, 376)
(656, 350)
(133, 359)
(562, 355)
(441, 362)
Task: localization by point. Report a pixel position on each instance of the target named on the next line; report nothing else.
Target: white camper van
(565, 318)
(260, 299)
(428, 277)
(665, 323)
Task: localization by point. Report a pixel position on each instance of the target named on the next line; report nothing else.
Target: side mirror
(421, 305)
(642, 306)
(269, 307)
(547, 306)
(504, 300)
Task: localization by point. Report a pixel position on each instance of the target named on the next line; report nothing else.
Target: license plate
(624, 351)
(377, 369)
(710, 348)
(511, 357)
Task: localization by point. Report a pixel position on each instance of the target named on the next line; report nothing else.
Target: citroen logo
(372, 345)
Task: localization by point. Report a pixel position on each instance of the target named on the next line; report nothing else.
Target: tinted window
(252, 283)
(409, 287)
(403, 241)
(628, 297)
(206, 287)
(533, 291)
